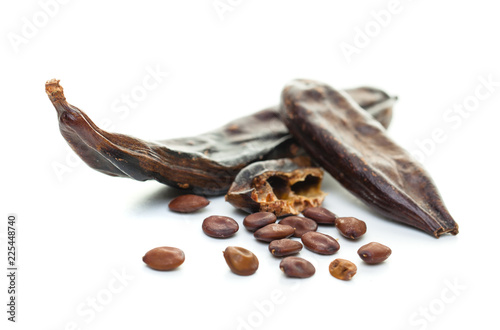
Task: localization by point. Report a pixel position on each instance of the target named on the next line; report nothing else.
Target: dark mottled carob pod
(281, 186)
(355, 149)
(379, 102)
(205, 164)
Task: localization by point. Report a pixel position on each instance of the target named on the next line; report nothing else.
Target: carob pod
(378, 101)
(281, 186)
(205, 164)
(355, 150)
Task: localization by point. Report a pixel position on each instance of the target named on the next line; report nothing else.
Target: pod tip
(54, 90)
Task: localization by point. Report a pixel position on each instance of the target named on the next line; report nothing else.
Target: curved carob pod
(355, 150)
(205, 164)
(281, 186)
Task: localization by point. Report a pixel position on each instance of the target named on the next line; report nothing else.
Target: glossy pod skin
(378, 101)
(355, 149)
(205, 164)
(281, 186)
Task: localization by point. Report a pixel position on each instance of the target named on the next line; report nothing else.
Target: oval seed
(300, 224)
(241, 261)
(164, 258)
(342, 269)
(254, 221)
(297, 267)
(273, 231)
(188, 203)
(219, 226)
(350, 227)
(320, 243)
(374, 253)
(320, 215)
(284, 247)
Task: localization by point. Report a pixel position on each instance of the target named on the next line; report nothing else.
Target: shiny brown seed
(273, 231)
(240, 260)
(284, 247)
(300, 224)
(219, 226)
(351, 227)
(254, 221)
(320, 243)
(374, 253)
(320, 215)
(342, 269)
(164, 258)
(297, 267)
(188, 203)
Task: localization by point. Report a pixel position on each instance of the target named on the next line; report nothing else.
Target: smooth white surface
(79, 229)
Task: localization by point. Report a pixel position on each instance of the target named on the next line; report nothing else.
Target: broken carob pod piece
(205, 164)
(355, 150)
(281, 186)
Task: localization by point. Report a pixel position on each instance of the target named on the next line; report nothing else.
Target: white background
(79, 228)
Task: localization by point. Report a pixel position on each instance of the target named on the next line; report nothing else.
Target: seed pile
(280, 237)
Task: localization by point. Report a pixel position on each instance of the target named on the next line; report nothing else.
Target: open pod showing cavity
(283, 187)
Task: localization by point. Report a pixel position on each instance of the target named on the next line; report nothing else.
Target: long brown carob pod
(355, 150)
(205, 164)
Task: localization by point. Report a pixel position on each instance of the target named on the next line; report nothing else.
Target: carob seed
(374, 253)
(164, 258)
(320, 215)
(254, 221)
(188, 203)
(320, 243)
(284, 247)
(273, 231)
(350, 227)
(300, 224)
(342, 269)
(241, 261)
(297, 267)
(219, 226)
